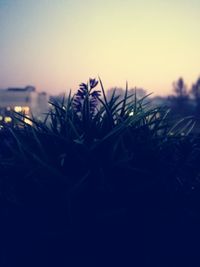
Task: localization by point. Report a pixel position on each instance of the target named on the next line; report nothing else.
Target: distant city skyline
(55, 45)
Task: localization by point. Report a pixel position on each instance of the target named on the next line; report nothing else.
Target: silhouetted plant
(180, 102)
(195, 91)
(86, 97)
(120, 166)
(180, 88)
(97, 161)
(92, 132)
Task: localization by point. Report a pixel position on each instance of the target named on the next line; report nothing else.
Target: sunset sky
(56, 44)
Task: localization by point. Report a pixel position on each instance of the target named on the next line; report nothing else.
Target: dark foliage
(118, 176)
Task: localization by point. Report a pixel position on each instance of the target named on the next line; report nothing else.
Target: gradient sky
(56, 44)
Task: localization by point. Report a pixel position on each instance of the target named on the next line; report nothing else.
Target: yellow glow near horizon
(7, 119)
(24, 109)
(27, 121)
(18, 108)
(55, 45)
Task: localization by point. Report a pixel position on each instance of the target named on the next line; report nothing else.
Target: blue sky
(56, 44)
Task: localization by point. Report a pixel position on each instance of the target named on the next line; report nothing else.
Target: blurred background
(48, 47)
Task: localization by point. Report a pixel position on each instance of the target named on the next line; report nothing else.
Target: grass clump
(110, 144)
(92, 159)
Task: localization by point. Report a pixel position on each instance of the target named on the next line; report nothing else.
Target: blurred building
(22, 100)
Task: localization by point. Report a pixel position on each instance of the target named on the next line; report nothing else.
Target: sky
(57, 44)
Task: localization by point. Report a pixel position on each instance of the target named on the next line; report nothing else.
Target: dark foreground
(107, 230)
(100, 187)
(132, 221)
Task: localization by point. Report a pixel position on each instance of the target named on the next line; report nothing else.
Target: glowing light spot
(27, 121)
(22, 109)
(26, 110)
(17, 109)
(7, 119)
